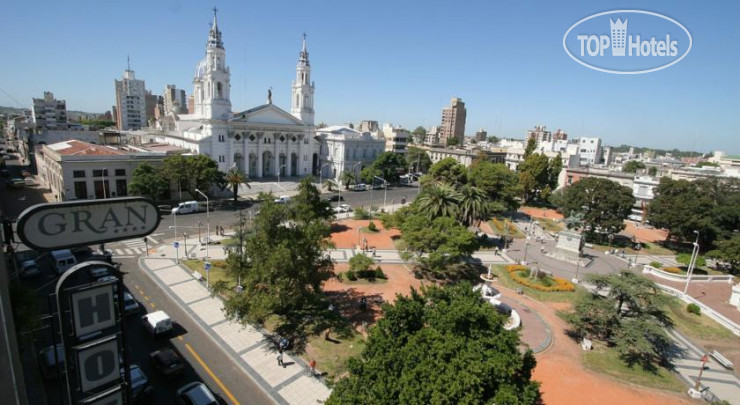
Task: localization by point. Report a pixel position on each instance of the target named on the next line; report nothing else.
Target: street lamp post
(208, 222)
(185, 242)
(692, 263)
(526, 245)
(578, 267)
(199, 225)
(385, 191)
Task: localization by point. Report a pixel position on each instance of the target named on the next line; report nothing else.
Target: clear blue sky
(391, 61)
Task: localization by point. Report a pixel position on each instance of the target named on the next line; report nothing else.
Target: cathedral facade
(262, 141)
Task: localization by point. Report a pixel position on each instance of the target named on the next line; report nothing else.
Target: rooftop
(74, 147)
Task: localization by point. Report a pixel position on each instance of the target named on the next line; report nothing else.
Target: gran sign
(81, 223)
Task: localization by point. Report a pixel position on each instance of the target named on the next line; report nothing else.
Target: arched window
(219, 90)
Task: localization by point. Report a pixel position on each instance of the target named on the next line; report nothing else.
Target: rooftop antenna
(128, 62)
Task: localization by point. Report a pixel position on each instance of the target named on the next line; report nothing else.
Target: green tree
(286, 268)
(439, 200)
(329, 184)
(146, 180)
(555, 166)
(493, 139)
(626, 313)
(437, 243)
(418, 159)
(191, 172)
(440, 346)
(419, 134)
(391, 165)
(307, 205)
(534, 176)
(633, 166)
(652, 171)
(234, 178)
(530, 148)
(347, 177)
(448, 170)
(498, 182)
(681, 208)
(728, 252)
(452, 141)
(474, 205)
(360, 263)
(603, 203)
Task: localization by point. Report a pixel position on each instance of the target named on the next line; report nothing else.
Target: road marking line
(180, 338)
(152, 304)
(210, 373)
(146, 297)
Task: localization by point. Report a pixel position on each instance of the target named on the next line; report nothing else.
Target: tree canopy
(497, 181)
(633, 166)
(448, 170)
(146, 180)
(438, 243)
(440, 346)
(234, 178)
(191, 172)
(628, 316)
(680, 207)
(727, 251)
(603, 203)
(388, 165)
(418, 159)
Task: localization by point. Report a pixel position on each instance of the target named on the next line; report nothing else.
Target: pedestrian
(312, 367)
(280, 358)
(542, 249)
(374, 252)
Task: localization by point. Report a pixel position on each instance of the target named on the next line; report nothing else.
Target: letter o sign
(98, 365)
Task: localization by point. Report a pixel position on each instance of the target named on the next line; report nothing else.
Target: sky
(396, 61)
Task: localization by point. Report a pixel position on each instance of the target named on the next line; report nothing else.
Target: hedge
(674, 270)
(560, 284)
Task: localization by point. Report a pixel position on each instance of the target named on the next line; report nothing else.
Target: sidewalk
(247, 346)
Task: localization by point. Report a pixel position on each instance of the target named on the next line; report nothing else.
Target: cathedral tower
(211, 85)
(302, 94)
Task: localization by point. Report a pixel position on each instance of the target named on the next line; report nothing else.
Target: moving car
(335, 198)
(343, 208)
(130, 305)
(186, 207)
(195, 393)
(283, 199)
(167, 362)
(360, 187)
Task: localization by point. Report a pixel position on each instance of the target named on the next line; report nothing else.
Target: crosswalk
(132, 247)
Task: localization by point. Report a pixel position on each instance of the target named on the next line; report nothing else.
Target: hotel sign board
(82, 223)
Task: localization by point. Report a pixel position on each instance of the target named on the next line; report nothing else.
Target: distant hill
(12, 110)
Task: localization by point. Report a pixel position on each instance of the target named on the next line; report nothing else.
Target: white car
(283, 199)
(342, 209)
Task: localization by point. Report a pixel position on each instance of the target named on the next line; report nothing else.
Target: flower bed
(517, 273)
(674, 270)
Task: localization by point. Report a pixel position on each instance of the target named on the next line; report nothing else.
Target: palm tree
(234, 178)
(439, 200)
(329, 184)
(474, 205)
(347, 177)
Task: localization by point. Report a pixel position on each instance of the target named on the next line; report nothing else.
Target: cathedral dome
(200, 71)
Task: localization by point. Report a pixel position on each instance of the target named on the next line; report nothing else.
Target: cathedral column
(259, 156)
(276, 154)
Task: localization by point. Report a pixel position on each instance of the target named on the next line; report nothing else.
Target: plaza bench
(722, 360)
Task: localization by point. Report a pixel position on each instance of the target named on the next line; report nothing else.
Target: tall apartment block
(49, 112)
(130, 102)
(174, 100)
(481, 135)
(453, 123)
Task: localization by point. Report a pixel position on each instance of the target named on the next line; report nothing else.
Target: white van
(157, 323)
(186, 208)
(63, 260)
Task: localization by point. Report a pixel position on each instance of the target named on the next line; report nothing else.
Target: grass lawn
(700, 327)
(217, 272)
(607, 361)
(550, 225)
(497, 224)
(552, 296)
(331, 356)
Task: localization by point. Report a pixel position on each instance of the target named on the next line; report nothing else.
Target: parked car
(157, 323)
(167, 362)
(96, 273)
(52, 366)
(283, 199)
(130, 305)
(28, 269)
(63, 260)
(195, 393)
(360, 187)
(140, 387)
(335, 198)
(342, 209)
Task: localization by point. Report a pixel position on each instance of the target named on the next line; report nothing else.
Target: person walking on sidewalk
(312, 367)
(280, 358)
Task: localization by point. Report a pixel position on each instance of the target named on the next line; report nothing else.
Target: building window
(78, 174)
(81, 189)
(121, 188)
(221, 138)
(120, 172)
(100, 173)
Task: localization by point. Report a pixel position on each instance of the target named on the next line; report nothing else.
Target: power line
(11, 97)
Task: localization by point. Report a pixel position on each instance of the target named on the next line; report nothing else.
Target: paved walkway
(721, 382)
(249, 348)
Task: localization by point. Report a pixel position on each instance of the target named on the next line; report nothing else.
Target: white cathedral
(262, 141)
